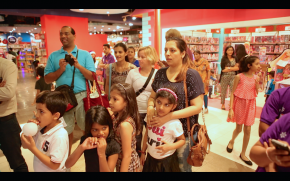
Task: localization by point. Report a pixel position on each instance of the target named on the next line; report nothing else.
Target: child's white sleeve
(59, 148)
(177, 129)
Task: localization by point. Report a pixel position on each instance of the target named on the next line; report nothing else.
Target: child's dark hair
(124, 48)
(272, 73)
(54, 100)
(245, 61)
(168, 95)
(98, 114)
(128, 94)
(212, 71)
(40, 71)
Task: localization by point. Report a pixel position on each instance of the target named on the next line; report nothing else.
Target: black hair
(54, 101)
(245, 61)
(197, 51)
(225, 60)
(168, 95)
(127, 92)
(100, 115)
(240, 52)
(40, 71)
(72, 30)
(10, 49)
(106, 45)
(212, 71)
(272, 73)
(124, 48)
(131, 47)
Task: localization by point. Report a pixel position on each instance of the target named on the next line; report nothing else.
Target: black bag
(146, 83)
(68, 92)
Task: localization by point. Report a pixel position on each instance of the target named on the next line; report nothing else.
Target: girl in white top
(160, 141)
(137, 77)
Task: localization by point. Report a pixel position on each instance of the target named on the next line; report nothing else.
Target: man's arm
(53, 76)
(86, 73)
(10, 76)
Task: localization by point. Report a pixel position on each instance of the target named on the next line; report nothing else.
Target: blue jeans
(182, 154)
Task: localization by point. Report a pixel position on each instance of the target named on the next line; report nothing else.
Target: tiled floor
(219, 131)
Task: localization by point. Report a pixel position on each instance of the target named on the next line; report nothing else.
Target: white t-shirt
(137, 81)
(167, 132)
(53, 144)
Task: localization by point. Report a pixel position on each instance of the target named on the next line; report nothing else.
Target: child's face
(163, 107)
(255, 66)
(44, 116)
(117, 103)
(100, 131)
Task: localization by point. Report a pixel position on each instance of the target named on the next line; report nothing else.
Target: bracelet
(142, 152)
(268, 155)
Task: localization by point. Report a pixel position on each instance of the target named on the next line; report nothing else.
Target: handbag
(146, 83)
(100, 100)
(197, 152)
(68, 92)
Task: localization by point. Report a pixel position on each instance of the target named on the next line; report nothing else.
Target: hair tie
(122, 86)
(168, 90)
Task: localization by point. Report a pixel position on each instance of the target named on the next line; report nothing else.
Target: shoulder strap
(146, 83)
(110, 79)
(73, 78)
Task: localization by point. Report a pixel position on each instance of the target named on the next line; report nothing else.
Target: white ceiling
(20, 29)
(101, 11)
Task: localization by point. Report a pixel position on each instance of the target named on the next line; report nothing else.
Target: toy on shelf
(280, 64)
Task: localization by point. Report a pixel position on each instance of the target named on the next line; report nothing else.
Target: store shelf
(235, 41)
(269, 53)
(208, 52)
(202, 43)
(270, 43)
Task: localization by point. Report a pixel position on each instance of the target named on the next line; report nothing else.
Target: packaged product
(282, 40)
(258, 39)
(287, 38)
(234, 38)
(276, 48)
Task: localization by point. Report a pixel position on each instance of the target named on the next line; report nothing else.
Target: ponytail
(245, 61)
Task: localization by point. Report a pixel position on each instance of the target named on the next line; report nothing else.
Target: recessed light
(94, 27)
(133, 18)
(90, 33)
(109, 28)
(35, 28)
(114, 30)
(26, 31)
(107, 12)
(121, 33)
(122, 29)
(118, 27)
(101, 29)
(102, 26)
(81, 9)
(130, 24)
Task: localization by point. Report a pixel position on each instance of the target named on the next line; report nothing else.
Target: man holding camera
(61, 70)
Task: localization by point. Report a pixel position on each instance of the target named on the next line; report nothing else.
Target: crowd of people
(142, 94)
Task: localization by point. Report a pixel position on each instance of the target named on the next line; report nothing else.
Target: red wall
(51, 25)
(190, 17)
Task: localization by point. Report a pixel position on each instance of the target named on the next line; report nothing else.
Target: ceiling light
(94, 27)
(29, 30)
(81, 9)
(140, 32)
(101, 29)
(114, 30)
(102, 26)
(133, 18)
(95, 33)
(98, 32)
(122, 29)
(35, 28)
(118, 27)
(109, 28)
(26, 31)
(130, 24)
(121, 33)
(90, 33)
(107, 12)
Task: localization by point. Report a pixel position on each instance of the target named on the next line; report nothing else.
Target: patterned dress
(119, 77)
(227, 79)
(202, 66)
(244, 105)
(135, 161)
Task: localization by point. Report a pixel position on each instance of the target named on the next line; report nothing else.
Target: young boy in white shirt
(50, 144)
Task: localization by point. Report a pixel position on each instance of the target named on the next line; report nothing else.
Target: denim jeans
(139, 137)
(182, 154)
(11, 144)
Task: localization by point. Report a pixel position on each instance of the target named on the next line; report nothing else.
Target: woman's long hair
(124, 48)
(240, 52)
(186, 62)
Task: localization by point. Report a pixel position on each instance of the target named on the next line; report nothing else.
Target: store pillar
(157, 32)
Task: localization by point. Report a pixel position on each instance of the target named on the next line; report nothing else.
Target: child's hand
(142, 159)
(33, 120)
(231, 114)
(265, 95)
(101, 145)
(89, 143)
(27, 142)
(2, 84)
(164, 148)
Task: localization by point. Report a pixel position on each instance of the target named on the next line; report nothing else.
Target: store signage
(259, 30)
(208, 30)
(287, 28)
(235, 31)
(12, 39)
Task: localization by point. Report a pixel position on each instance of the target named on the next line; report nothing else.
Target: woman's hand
(150, 114)
(101, 145)
(142, 159)
(164, 148)
(231, 114)
(2, 84)
(159, 121)
(279, 157)
(89, 143)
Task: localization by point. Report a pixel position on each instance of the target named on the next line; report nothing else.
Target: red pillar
(157, 32)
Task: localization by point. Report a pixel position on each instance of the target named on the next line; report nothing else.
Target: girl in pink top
(243, 102)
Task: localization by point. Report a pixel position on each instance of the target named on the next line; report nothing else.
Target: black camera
(70, 60)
